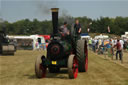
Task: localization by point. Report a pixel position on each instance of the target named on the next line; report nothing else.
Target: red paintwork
(46, 37)
(86, 58)
(47, 45)
(75, 69)
(43, 71)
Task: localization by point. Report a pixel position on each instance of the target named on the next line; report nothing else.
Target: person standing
(37, 45)
(90, 43)
(122, 44)
(77, 28)
(99, 43)
(99, 46)
(93, 45)
(111, 48)
(119, 50)
(125, 45)
(96, 44)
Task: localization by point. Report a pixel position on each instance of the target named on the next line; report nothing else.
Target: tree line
(117, 25)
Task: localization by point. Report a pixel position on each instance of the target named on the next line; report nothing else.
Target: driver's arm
(79, 30)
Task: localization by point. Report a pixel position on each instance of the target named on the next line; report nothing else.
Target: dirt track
(19, 70)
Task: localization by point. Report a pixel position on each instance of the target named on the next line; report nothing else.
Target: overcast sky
(13, 10)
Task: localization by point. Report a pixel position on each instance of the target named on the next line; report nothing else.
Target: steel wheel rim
(43, 71)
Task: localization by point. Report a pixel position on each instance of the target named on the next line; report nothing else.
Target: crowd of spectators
(109, 46)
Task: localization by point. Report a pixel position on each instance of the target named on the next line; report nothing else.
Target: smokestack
(55, 20)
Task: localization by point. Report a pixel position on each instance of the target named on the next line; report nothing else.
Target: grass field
(125, 59)
(19, 70)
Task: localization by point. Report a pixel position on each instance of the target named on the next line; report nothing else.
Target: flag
(108, 29)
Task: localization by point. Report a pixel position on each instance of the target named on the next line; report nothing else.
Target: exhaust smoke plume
(44, 6)
(44, 9)
(66, 16)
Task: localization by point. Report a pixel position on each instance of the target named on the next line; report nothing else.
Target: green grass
(19, 70)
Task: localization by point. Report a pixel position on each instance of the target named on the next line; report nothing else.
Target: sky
(13, 10)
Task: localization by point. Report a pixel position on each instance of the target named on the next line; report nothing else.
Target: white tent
(125, 35)
(34, 39)
(101, 36)
(85, 37)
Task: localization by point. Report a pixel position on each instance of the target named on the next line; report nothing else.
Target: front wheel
(72, 67)
(40, 70)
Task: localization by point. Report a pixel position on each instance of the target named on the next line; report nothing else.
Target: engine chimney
(55, 20)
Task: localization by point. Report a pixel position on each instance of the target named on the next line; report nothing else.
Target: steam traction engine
(69, 51)
(5, 47)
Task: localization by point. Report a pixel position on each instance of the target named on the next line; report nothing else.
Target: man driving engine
(64, 30)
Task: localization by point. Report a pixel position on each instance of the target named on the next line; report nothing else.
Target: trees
(117, 25)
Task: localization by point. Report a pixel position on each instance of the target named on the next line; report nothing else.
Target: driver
(64, 30)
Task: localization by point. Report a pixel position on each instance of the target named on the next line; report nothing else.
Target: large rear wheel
(72, 67)
(82, 55)
(40, 69)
